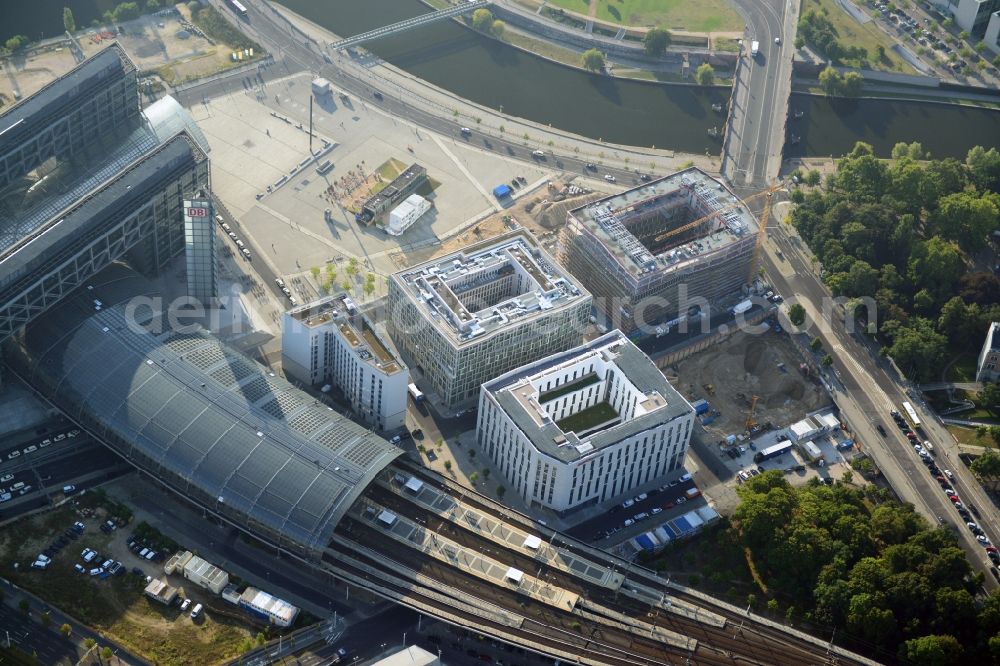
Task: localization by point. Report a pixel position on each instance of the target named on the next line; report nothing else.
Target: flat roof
(30, 114)
(435, 286)
(354, 327)
(515, 393)
(206, 420)
(609, 218)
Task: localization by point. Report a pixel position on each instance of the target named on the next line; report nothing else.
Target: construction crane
(735, 204)
(753, 410)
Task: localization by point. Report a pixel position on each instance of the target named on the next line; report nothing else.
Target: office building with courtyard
(469, 316)
(330, 342)
(585, 426)
(662, 249)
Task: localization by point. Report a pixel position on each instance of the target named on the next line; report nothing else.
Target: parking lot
(73, 559)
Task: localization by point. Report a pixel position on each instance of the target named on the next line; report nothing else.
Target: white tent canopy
(532, 542)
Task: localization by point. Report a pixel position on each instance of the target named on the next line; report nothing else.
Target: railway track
(744, 637)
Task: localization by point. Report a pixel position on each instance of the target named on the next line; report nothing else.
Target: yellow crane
(735, 204)
(753, 410)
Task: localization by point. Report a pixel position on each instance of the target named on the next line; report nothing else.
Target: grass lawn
(967, 436)
(115, 606)
(700, 16)
(588, 418)
(869, 36)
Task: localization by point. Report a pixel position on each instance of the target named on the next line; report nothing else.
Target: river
(617, 110)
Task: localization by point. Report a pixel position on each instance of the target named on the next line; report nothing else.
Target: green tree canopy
(705, 74)
(69, 23)
(932, 650)
(656, 41)
(482, 20)
(984, 167)
(593, 60)
(797, 314)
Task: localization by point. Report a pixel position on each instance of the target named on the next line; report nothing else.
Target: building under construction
(652, 253)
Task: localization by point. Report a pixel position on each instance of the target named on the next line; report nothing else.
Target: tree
(152, 5)
(656, 41)
(984, 167)
(967, 217)
(352, 266)
(813, 177)
(830, 81)
(69, 23)
(500, 492)
(592, 60)
(345, 285)
(89, 643)
(914, 151)
(16, 43)
(932, 651)
(990, 397)
(314, 270)
(482, 20)
(797, 314)
(498, 28)
(851, 84)
(936, 264)
(447, 465)
(880, 52)
(987, 467)
(827, 361)
(369, 288)
(486, 473)
(24, 605)
(473, 478)
(705, 74)
(65, 630)
(107, 653)
(816, 344)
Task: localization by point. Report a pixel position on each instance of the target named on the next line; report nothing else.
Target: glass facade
(199, 249)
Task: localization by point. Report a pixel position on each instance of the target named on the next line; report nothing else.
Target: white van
(195, 612)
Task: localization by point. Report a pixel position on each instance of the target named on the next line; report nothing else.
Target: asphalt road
(30, 637)
(866, 390)
(763, 84)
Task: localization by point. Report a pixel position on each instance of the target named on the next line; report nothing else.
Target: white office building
(469, 316)
(406, 214)
(973, 16)
(330, 342)
(992, 37)
(585, 426)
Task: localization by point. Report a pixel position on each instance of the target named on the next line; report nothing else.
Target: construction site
(749, 379)
(661, 249)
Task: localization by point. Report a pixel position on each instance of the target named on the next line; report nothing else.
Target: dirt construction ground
(743, 366)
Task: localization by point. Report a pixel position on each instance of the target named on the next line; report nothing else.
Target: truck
(754, 48)
(741, 307)
(415, 393)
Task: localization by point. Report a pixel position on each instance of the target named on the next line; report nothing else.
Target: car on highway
(645, 177)
(540, 154)
(981, 538)
(611, 179)
(590, 166)
(655, 510)
(6, 477)
(627, 503)
(466, 131)
(13, 454)
(948, 473)
(377, 95)
(629, 522)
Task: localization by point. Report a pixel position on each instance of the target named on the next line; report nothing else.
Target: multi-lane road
(866, 389)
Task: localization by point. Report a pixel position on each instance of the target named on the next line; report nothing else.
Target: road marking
(461, 167)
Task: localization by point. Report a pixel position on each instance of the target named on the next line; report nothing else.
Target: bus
(415, 393)
(911, 414)
(238, 7)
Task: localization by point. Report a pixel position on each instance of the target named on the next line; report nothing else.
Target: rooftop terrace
(353, 326)
(591, 429)
(489, 286)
